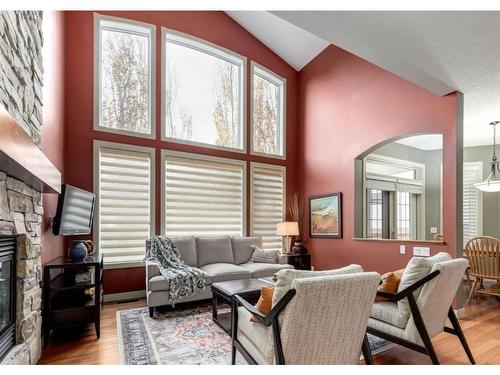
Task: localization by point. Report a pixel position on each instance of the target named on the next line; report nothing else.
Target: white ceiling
(440, 51)
(295, 46)
(424, 142)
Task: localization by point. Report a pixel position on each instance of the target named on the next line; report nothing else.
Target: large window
(472, 209)
(124, 83)
(203, 195)
(203, 93)
(268, 112)
(267, 196)
(123, 183)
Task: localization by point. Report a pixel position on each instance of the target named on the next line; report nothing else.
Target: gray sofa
(221, 258)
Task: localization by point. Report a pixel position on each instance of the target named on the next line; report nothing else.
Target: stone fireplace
(25, 173)
(21, 216)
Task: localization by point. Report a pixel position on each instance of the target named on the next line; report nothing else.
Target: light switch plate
(402, 249)
(434, 230)
(422, 251)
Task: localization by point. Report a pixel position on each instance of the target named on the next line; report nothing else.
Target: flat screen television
(75, 209)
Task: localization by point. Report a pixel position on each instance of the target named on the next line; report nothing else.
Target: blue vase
(78, 250)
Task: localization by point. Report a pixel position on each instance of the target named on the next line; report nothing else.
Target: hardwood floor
(480, 326)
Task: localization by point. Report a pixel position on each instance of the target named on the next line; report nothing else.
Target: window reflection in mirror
(398, 190)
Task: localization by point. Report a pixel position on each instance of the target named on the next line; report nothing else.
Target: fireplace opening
(7, 294)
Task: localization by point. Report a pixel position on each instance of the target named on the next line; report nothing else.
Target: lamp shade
(287, 228)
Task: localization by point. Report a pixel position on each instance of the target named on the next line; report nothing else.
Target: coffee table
(225, 290)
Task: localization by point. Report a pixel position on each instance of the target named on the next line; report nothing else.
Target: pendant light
(492, 183)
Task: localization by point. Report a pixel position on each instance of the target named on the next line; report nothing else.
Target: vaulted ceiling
(440, 51)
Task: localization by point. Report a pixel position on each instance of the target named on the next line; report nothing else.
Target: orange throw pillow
(390, 283)
(265, 302)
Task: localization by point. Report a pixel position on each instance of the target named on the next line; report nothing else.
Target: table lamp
(287, 229)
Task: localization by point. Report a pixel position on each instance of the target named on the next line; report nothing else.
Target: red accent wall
(53, 121)
(215, 27)
(346, 106)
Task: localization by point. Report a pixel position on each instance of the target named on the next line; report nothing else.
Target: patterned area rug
(182, 337)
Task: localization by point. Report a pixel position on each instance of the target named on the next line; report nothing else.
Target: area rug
(182, 337)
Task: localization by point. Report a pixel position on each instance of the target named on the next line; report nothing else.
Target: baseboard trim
(126, 296)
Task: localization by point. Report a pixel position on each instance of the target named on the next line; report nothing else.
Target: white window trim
(479, 165)
(281, 168)
(275, 78)
(210, 47)
(97, 82)
(122, 147)
(215, 159)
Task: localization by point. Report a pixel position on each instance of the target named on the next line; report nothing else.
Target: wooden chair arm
(267, 320)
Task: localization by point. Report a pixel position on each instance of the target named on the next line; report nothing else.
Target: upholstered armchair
(418, 311)
(318, 320)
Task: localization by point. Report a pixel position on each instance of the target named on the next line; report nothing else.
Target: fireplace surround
(7, 294)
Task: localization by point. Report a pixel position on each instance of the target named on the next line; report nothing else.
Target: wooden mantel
(21, 158)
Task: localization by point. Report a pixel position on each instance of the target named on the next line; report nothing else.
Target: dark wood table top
(230, 288)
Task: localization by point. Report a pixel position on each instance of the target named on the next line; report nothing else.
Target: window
(267, 198)
(203, 195)
(203, 93)
(472, 209)
(268, 112)
(394, 195)
(374, 215)
(124, 83)
(123, 178)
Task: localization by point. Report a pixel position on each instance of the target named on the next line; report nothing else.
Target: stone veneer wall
(21, 215)
(21, 64)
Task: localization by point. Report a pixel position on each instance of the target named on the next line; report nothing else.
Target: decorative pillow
(286, 277)
(417, 269)
(264, 304)
(390, 283)
(264, 256)
(242, 248)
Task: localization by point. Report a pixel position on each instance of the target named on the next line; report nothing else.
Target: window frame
(202, 157)
(253, 165)
(281, 82)
(97, 75)
(97, 145)
(207, 47)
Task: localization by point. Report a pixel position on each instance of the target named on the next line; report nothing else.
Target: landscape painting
(325, 215)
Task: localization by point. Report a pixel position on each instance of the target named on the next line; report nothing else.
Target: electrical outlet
(422, 251)
(434, 230)
(402, 249)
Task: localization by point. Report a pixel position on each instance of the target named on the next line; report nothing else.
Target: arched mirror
(399, 190)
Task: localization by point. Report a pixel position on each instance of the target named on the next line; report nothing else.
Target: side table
(299, 260)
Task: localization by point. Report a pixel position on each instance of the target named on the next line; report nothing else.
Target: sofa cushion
(187, 249)
(214, 250)
(286, 277)
(264, 269)
(255, 337)
(417, 269)
(242, 250)
(159, 283)
(388, 312)
(225, 272)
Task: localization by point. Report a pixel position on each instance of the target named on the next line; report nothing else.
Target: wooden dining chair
(483, 254)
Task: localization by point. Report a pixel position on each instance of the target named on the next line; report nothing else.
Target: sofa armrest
(152, 270)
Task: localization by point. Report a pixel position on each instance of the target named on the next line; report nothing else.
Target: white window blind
(203, 195)
(124, 188)
(267, 198)
(471, 197)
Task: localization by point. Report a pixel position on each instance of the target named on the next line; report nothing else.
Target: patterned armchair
(320, 320)
(418, 312)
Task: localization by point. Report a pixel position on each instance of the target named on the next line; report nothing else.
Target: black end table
(301, 261)
(225, 290)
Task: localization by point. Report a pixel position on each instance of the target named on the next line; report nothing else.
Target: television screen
(75, 209)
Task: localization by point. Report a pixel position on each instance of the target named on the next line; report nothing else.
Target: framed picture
(325, 216)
